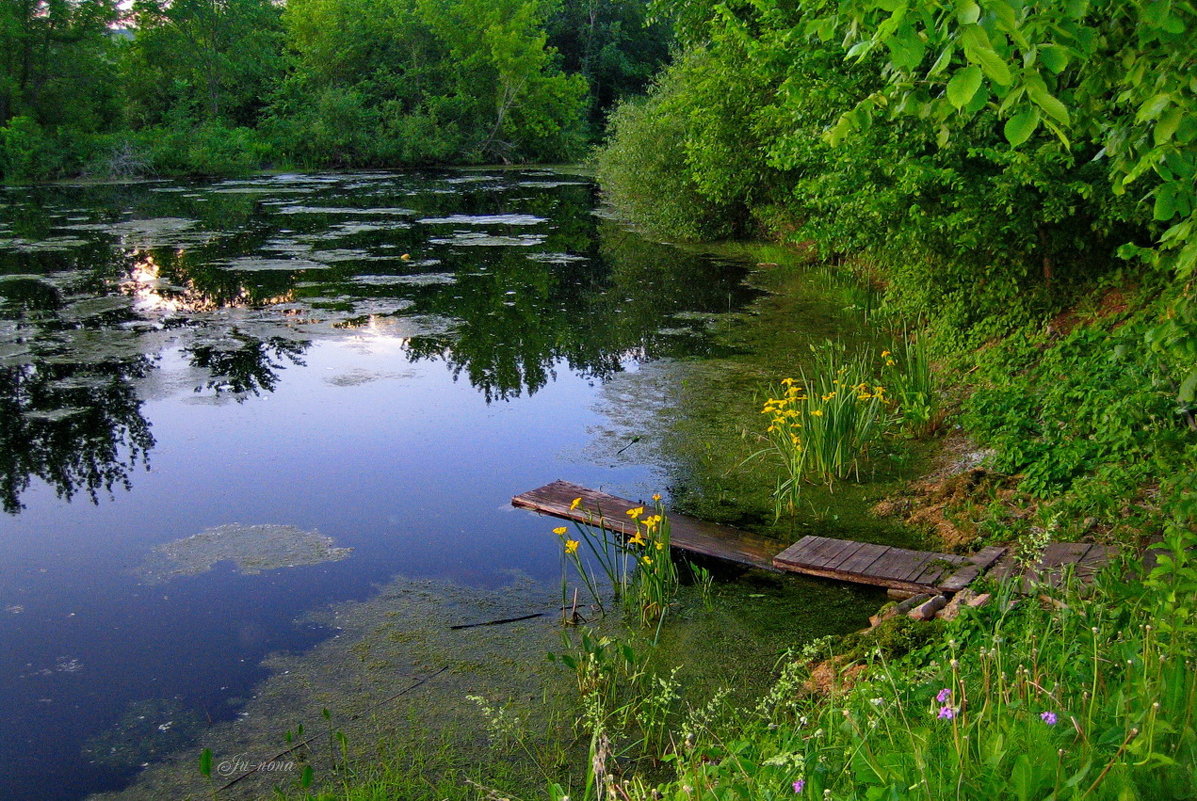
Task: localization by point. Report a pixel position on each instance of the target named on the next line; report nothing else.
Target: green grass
(1090, 694)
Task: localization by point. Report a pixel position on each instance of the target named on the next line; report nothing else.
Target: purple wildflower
(799, 785)
(947, 713)
(1049, 718)
(943, 695)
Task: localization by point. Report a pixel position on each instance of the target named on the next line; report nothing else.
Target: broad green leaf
(1048, 102)
(1166, 126)
(1166, 204)
(941, 63)
(1021, 778)
(1186, 261)
(1007, 20)
(906, 49)
(1019, 128)
(963, 85)
(1051, 126)
(1153, 107)
(1054, 57)
(968, 12)
(1188, 388)
(993, 64)
(205, 763)
(1077, 8)
(1173, 24)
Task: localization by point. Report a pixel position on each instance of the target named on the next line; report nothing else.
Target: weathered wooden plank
(1097, 558)
(686, 533)
(846, 560)
(864, 557)
(909, 564)
(977, 564)
(938, 567)
(862, 563)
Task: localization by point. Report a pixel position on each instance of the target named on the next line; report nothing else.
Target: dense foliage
(989, 163)
(191, 86)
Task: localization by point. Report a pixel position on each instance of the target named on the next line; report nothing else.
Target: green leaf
(1077, 8)
(1166, 126)
(1048, 102)
(993, 64)
(1188, 388)
(1153, 107)
(906, 49)
(941, 63)
(1022, 778)
(1054, 57)
(1019, 128)
(205, 763)
(1173, 24)
(963, 85)
(1166, 204)
(1007, 20)
(305, 778)
(968, 12)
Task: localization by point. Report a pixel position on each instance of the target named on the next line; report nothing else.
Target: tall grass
(907, 371)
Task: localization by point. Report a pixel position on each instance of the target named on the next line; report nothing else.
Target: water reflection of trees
(522, 316)
(79, 428)
(242, 364)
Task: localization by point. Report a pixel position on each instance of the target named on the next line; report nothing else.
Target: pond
(229, 406)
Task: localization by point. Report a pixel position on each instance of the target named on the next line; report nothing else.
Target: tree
(206, 60)
(56, 62)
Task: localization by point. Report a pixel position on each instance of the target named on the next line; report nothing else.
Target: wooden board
(878, 565)
(1059, 558)
(859, 562)
(979, 562)
(685, 533)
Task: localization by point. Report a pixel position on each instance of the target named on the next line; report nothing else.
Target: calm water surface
(384, 359)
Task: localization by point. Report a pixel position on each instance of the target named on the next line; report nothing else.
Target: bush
(645, 165)
(28, 152)
(208, 149)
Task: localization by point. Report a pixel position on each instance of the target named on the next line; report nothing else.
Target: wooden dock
(685, 533)
(845, 560)
(885, 566)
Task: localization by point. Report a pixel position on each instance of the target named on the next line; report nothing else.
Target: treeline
(224, 86)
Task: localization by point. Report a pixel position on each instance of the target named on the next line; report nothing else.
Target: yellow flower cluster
(784, 415)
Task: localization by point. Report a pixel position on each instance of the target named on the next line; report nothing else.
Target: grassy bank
(1078, 693)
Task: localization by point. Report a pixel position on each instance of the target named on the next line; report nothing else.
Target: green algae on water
(252, 549)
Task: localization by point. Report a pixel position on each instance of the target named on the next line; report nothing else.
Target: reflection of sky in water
(292, 368)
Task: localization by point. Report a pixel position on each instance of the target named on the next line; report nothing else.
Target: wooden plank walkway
(845, 560)
(885, 566)
(685, 533)
(1084, 559)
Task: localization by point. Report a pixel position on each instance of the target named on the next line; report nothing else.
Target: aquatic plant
(821, 428)
(639, 567)
(907, 372)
